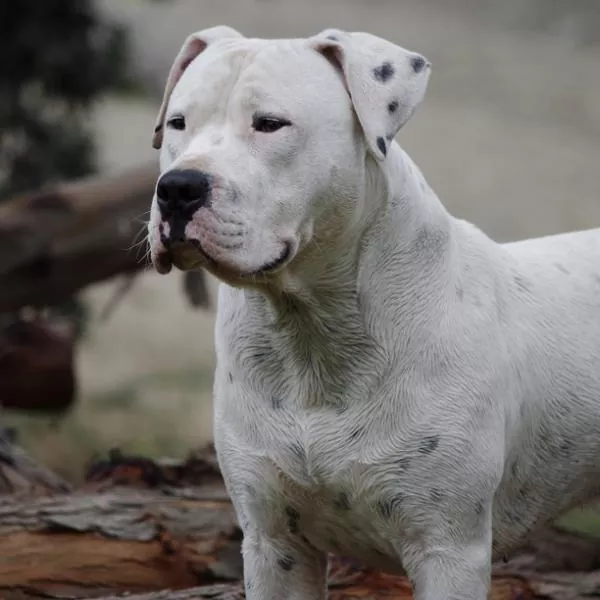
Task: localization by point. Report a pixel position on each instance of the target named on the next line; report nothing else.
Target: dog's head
(264, 145)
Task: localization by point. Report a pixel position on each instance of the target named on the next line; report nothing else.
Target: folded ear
(385, 82)
(192, 47)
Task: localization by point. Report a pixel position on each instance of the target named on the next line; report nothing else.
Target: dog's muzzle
(180, 193)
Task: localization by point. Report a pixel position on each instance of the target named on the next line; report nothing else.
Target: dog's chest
(342, 482)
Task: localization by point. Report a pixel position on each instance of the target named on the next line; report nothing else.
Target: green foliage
(56, 58)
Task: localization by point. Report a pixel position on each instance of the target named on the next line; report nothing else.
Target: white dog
(391, 384)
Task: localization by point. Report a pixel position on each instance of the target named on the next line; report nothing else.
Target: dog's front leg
(285, 568)
(451, 564)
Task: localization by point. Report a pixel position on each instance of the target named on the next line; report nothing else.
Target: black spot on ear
(384, 72)
(342, 502)
(417, 63)
(381, 145)
(393, 106)
(429, 444)
(286, 563)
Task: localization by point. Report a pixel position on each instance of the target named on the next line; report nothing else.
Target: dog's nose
(182, 191)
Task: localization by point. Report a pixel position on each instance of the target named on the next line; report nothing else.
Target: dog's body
(401, 389)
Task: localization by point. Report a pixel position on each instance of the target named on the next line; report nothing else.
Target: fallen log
(56, 241)
(166, 529)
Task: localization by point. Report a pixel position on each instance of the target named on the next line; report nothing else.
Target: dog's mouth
(189, 254)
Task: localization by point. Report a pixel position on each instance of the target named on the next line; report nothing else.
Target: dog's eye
(177, 122)
(268, 124)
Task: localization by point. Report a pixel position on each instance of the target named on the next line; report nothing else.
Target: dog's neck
(366, 303)
(400, 240)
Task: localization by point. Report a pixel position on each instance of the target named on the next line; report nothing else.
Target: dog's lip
(275, 265)
(164, 261)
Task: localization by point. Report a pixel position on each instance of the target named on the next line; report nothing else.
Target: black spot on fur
(460, 292)
(158, 128)
(230, 377)
(562, 269)
(384, 72)
(431, 240)
(381, 145)
(393, 106)
(514, 468)
(333, 38)
(436, 495)
(286, 563)
(292, 519)
(298, 450)
(276, 402)
(356, 433)
(342, 502)
(417, 63)
(479, 507)
(388, 506)
(429, 444)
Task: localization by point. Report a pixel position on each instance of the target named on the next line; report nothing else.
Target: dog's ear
(385, 82)
(192, 47)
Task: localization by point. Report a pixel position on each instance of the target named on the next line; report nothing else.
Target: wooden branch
(56, 241)
(20, 475)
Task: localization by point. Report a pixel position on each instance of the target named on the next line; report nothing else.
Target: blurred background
(98, 352)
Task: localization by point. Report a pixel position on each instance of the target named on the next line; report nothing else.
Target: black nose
(182, 191)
